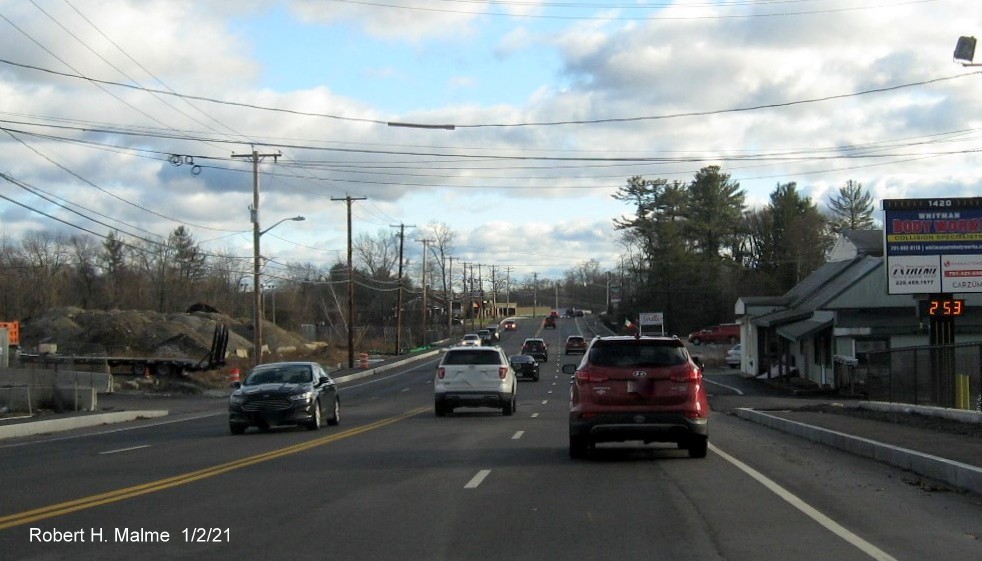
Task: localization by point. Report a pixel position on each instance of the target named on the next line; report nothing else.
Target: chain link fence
(941, 376)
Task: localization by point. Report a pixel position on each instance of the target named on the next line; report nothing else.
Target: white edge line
(808, 510)
(130, 449)
(477, 479)
(731, 388)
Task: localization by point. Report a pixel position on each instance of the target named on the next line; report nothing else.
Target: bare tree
(46, 259)
(379, 255)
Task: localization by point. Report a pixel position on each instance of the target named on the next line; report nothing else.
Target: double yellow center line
(60, 509)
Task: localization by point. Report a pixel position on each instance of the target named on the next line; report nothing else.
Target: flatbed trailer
(156, 366)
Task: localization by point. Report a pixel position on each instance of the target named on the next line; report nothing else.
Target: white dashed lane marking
(477, 479)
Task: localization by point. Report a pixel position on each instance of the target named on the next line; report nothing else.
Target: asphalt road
(395, 482)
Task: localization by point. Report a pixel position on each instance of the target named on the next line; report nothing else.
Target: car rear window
(635, 354)
(471, 357)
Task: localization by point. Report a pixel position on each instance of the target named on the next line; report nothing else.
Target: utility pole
(257, 294)
(480, 291)
(464, 292)
(535, 292)
(351, 284)
(426, 245)
(402, 238)
(449, 296)
(508, 291)
(494, 294)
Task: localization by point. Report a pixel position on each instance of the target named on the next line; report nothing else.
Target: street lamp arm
(295, 219)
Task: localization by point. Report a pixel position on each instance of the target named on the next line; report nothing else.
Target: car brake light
(502, 372)
(588, 378)
(440, 373)
(691, 374)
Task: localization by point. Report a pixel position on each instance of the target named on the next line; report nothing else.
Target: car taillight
(440, 373)
(588, 378)
(689, 374)
(502, 372)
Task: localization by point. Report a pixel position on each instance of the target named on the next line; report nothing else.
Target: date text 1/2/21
(206, 535)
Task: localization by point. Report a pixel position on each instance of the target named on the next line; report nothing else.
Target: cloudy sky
(553, 106)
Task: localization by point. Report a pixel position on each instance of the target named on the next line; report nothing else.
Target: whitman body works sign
(933, 245)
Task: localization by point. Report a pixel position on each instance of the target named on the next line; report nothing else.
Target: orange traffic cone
(233, 377)
(363, 360)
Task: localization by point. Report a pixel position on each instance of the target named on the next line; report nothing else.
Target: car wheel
(439, 409)
(579, 447)
(335, 419)
(508, 408)
(535, 378)
(316, 419)
(698, 446)
(236, 428)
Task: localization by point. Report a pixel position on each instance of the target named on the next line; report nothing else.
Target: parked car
(734, 356)
(536, 348)
(575, 344)
(646, 389)
(525, 366)
(284, 393)
(474, 377)
(722, 333)
(470, 340)
(509, 325)
(549, 322)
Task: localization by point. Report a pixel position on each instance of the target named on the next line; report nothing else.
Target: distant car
(509, 325)
(549, 322)
(474, 377)
(495, 336)
(471, 340)
(486, 338)
(646, 389)
(536, 348)
(734, 356)
(525, 366)
(284, 393)
(575, 344)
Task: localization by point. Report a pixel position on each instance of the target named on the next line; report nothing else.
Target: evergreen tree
(852, 209)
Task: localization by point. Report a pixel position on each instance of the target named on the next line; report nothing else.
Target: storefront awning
(807, 327)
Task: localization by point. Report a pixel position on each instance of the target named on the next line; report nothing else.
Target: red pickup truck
(722, 333)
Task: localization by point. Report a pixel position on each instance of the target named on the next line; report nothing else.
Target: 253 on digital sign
(943, 307)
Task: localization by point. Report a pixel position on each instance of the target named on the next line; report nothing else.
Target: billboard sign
(933, 245)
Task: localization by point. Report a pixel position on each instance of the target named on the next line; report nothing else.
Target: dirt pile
(144, 333)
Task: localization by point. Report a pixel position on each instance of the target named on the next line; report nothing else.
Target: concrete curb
(378, 369)
(69, 423)
(956, 474)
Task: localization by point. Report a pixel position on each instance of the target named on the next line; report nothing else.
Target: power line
(514, 124)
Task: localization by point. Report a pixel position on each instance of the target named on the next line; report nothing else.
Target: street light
(257, 330)
(965, 51)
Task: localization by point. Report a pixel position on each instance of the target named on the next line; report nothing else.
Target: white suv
(474, 377)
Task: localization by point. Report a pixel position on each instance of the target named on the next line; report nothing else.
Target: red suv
(646, 389)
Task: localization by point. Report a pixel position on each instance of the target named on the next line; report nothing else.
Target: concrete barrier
(102, 382)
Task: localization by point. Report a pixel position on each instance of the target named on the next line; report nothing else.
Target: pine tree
(852, 209)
